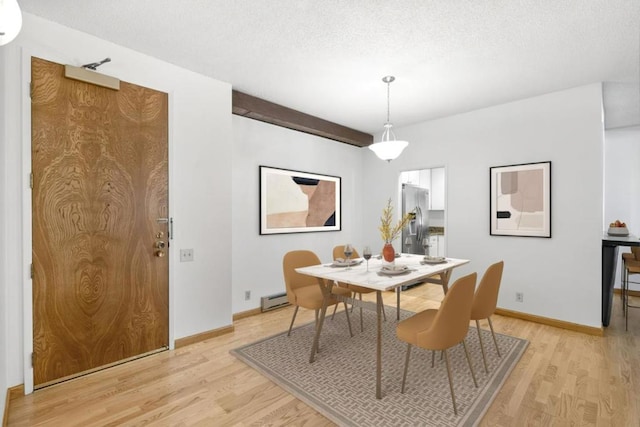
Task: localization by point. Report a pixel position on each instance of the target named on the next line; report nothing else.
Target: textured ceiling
(327, 57)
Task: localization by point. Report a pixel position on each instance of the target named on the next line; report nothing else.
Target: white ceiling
(327, 57)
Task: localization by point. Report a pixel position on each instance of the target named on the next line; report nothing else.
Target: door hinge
(31, 271)
(33, 356)
(30, 89)
(31, 180)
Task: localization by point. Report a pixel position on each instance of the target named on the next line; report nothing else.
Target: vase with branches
(389, 231)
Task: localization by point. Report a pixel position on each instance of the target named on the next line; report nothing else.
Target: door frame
(446, 190)
(27, 235)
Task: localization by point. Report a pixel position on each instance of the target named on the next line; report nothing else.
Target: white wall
(4, 306)
(560, 276)
(622, 183)
(260, 144)
(199, 189)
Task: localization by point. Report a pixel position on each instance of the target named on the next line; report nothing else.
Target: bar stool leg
(625, 293)
(623, 274)
(626, 299)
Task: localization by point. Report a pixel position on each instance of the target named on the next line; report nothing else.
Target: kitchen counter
(436, 231)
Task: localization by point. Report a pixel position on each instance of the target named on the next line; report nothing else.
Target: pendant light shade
(10, 20)
(388, 148)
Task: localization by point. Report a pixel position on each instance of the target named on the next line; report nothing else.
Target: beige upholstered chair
(338, 252)
(485, 301)
(304, 291)
(443, 328)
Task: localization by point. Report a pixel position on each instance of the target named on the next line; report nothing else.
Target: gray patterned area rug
(340, 384)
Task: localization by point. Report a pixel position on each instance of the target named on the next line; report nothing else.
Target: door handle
(167, 221)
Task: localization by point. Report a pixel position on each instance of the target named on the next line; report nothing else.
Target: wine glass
(408, 242)
(348, 251)
(366, 254)
(425, 246)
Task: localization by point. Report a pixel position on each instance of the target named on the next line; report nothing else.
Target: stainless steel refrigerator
(415, 199)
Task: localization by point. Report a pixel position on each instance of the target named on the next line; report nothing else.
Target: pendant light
(388, 148)
(10, 20)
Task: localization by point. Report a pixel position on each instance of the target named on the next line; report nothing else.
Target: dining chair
(441, 329)
(485, 301)
(338, 252)
(303, 290)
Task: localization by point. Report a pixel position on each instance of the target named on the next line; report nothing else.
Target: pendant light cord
(388, 101)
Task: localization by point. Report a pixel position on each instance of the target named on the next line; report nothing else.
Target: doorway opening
(423, 191)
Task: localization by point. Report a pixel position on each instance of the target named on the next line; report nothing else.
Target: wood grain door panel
(99, 162)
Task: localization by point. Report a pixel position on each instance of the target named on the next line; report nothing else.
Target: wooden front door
(100, 192)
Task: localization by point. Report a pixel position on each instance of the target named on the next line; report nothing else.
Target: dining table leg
(442, 281)
(446, 275)
(326, 293)
(379, 346)
(398, 290)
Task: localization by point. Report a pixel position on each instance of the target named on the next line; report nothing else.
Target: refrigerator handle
(419, 216)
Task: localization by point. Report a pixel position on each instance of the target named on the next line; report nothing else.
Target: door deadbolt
(160, 244)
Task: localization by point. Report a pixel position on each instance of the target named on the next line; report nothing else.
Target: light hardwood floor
(564, 378)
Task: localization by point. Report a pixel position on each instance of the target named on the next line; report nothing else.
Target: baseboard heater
(271, 302)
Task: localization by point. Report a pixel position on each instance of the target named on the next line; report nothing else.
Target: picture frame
(520, 200)
(293, 201)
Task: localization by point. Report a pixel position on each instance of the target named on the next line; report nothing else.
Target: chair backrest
(338, 252)
(451, 323)
(294, 280)
(486, 297)
(636, 252)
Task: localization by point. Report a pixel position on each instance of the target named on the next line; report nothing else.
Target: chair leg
(433, 358)
(466, 352)
(295, 312)
(335, 307)
(453, 396)
(346, 311)
(406, 367)
(493, 334)
(484, 359)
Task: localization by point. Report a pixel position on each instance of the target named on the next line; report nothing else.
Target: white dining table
(328, 275)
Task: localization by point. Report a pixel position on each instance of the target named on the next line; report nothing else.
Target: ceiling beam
(265, 111)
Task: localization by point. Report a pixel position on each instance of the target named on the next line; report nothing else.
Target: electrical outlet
(519, 297)
(247, 295)
(186, 255)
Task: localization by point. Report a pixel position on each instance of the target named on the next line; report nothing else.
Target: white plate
(433, 260)
(395, 271)
(351, 263)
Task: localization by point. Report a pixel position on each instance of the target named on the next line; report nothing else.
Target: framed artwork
(521, 200)
(298, 202)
